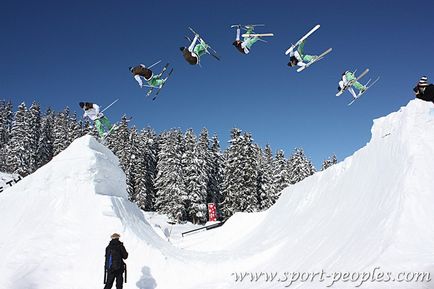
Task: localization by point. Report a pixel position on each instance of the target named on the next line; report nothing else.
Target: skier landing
(91, 110)
(141, 71)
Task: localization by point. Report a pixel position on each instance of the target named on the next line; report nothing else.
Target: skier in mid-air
(193, 53)
(91, 110)
(423, 90)
(299, 58)
(141, 71)
(245, 45)
(348, 77)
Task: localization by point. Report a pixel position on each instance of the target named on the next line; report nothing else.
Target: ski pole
(110, 105)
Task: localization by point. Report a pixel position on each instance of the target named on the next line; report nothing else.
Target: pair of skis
(151, 88)
(293, 46)
(251, 34)
(211, 51)
(350, 83)
(368, 85)
(251, 26)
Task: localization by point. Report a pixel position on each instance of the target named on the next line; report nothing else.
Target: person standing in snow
(245, 45)
(115, 253)
(423, 90)
(141, 71)
(91, 110)
(347, 77)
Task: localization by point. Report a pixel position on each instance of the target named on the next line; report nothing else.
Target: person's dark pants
(111, 276)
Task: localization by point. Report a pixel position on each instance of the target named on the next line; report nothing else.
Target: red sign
(212, 212)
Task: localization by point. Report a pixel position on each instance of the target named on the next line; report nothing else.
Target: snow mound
(57, 221)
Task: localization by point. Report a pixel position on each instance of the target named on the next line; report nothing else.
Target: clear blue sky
(61, 52)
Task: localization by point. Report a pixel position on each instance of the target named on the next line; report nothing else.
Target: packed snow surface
(372, 213)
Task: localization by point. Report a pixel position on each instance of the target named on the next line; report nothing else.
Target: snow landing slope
(374, 209)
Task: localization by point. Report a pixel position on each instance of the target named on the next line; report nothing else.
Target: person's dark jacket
(118, 252)
(193, 60)
(237, 44)
(428, 94)
(142, 71)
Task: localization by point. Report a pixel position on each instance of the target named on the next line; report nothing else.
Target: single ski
(321, 56)
(246, 26)
(360, 94)
(114, 126)
(165, 80)
(350, 83)
(290, 49)
(257, 35)
(151, 88)
(213, 53)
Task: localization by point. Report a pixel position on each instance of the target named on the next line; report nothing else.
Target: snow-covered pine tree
(60, 130)
(329, 162)
(266, 190)
(216, 173)
(74, 128)
(301, 166)
(171, 195)
(33, 120)
(18, 158)
(147, 171)
(231, 174)
(240, 177)
(6, 117)
(119, 142)
(281, 174)
(204, 153)
(45, 147)
(134, 166)
(196, 178)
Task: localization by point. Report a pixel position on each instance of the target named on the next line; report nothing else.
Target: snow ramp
(366, 222)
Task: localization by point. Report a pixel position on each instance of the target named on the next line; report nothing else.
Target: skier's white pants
(193, 43)
(244, 43)
(139, 80)
(344, 83)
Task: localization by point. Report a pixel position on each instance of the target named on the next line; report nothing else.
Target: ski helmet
(181, 48)
(130, 68)
(81, 104)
